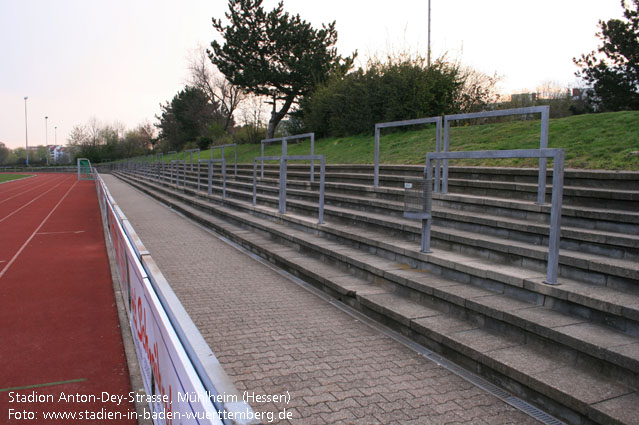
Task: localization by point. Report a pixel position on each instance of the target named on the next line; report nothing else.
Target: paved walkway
(272, 336)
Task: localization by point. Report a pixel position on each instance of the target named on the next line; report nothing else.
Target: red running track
(59, 332)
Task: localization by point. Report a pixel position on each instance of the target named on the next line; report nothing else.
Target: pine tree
(275, 54)
(613, 69)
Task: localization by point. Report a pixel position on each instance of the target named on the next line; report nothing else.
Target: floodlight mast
(26, 135)
(428, 54)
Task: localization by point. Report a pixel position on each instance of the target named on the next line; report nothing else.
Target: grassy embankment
(594, 141)
(9, 177)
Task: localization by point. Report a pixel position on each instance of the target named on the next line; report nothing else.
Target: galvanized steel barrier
(557, 155)
(543, 140)
(284, 141)
(379, 126)
(283, 159)
(175, 360)
(210, 163)
(221, 147)
(191, 152)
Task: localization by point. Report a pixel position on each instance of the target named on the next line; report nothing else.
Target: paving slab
(272, 336)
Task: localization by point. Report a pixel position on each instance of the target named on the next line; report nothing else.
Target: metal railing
(543, 140)
(191, 152)
(221, 147)
(284, 141)
(182, 356)
(557, 155)
(379, 126)
(49, 169)
(210, 163)
(283, 159)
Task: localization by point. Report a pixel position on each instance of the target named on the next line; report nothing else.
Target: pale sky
(118, 60)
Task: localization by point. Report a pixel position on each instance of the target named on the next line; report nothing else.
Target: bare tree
(79, 136)
(205, 76)
(94, 130)
(477, 89)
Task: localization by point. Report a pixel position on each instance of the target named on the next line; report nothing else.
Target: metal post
(543, 144)
(254, 182)
(262, 174)
(210, 179)
(282, 203)
(438, 148)
(321, 194)
(555, 218)
(236, 160)
(444, 187)
(223, 178)
(312, 161)
(376, 177)
(198, 175)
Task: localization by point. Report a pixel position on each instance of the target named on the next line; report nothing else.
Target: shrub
(399, 89)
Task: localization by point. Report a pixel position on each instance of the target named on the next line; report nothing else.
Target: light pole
(26, 134)
(55, 135)
(46, 136)
(428, 54)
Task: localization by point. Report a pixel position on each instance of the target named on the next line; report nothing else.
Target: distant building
(523, 98)
(58, 154)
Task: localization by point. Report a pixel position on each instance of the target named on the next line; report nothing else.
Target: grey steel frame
(283, 159)
(284, 141)
(191, 152)
(543, 140)
(171, 164)
(557, 194)
(210, 175)
(379, 126)
(234, 145)
(177, 172)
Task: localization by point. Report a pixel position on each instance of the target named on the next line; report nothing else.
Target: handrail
(557, 193)
(234, 145)
(191, 152)
(283, 159)
(543, 139)
(379, 126)
(284, 141)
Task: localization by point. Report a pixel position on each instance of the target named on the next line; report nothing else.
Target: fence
(284, 141)
(221, 147)
(543, 140)
(50, 169)
(191, 152)
(379, 126)
(557, 193)
(210, 163)
(175, 361)
(282, 195)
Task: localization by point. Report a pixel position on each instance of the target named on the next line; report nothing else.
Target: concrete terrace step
(605, 243)
(552, 376)
(391, 246)
(622, 180)
(495, 274)
(596, 217)
(601, 270)
(526, 190)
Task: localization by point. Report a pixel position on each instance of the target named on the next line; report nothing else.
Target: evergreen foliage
(187, 117)
(613, 69)
(275, 54)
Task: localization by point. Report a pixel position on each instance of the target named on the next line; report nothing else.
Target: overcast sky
(118, 60)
